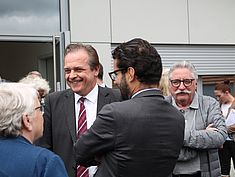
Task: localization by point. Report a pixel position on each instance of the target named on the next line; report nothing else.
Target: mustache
(183, 92)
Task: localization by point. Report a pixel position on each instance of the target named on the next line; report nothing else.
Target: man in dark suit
(139, 137)
(81, 67)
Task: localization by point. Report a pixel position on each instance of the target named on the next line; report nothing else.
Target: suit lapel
(103, 98)
(69, 114)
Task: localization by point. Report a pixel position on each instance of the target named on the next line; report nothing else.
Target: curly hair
(143, 57)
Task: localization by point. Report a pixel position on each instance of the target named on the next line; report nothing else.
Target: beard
(124, 88)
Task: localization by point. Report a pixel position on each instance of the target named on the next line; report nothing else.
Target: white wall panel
(158, 21)
(104, 52)
(90, 20)
(212, 21)
(208, 59)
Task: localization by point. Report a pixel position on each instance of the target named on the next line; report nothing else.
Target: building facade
(201, 31)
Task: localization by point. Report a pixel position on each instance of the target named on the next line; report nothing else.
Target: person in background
(35, 74)
(164, 82)
(3, 80)
(62, 109)
(100, 81)
(139, 137)
(205, 129)
(223, 94)
(21, 124)
(39, 83)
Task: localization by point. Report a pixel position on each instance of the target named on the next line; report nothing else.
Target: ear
(27, 122)
(97, 69)
(130, 74)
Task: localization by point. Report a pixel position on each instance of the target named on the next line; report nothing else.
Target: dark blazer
(140, 137)
(19, 158)
(60, 123)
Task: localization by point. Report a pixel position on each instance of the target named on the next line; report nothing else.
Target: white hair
(37, 83)
(16, 99)
(184, 64)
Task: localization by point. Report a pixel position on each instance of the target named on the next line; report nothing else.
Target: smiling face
(78, 74)
(183, 95)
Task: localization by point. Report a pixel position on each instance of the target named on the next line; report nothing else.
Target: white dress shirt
(91, 111)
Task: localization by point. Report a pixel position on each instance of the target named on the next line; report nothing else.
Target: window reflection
(209, 83)
(39, 17)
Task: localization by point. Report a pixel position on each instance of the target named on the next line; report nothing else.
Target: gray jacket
(206, 143)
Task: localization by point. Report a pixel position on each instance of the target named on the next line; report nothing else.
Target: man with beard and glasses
(62, 109)
(141, 136)
(205, 130)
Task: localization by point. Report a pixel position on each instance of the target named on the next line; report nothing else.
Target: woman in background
(223, 94)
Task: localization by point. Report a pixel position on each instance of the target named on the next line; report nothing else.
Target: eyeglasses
(113, 75)
(41, 108)
(177, 82)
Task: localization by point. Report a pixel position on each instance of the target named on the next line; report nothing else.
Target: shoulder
(115, 93)
(168, 99)
(46, 156)
(207, 100)
(61, 93)
(49, 163)
(68, 93)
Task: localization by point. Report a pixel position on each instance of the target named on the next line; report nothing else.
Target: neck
(140, 86)
(230, 99)
(27, 136)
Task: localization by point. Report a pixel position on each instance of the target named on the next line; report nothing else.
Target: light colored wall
(90, 21)
(212, 21)
(158, 21)
(106, 22)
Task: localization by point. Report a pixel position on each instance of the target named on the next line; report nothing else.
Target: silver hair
(16, 99)
(184, 64)
(37, 83)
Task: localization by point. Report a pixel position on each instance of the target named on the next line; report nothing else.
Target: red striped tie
(82, 127)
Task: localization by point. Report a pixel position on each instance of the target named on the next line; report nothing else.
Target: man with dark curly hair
(141, 136)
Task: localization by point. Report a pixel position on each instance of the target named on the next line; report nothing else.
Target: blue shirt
(18, 157)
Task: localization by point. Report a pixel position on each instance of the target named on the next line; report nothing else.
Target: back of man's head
(143, 57)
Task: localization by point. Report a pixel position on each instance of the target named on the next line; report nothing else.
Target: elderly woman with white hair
(21, 124)
(39, 83)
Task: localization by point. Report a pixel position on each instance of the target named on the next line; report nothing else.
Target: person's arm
(215, 133)
(230, 120)
(97, 140)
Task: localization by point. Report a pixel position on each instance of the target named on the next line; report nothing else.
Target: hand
(210, 127)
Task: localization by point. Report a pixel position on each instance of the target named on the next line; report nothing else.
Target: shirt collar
(91, 96)
(143, 91)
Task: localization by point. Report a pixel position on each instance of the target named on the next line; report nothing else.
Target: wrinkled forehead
(181, 73)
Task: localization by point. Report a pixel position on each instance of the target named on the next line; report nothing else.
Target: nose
(115, 82)
(72, 74)
(181, 86)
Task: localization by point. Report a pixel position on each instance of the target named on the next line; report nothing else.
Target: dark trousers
(225, 155)
(191, 175)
